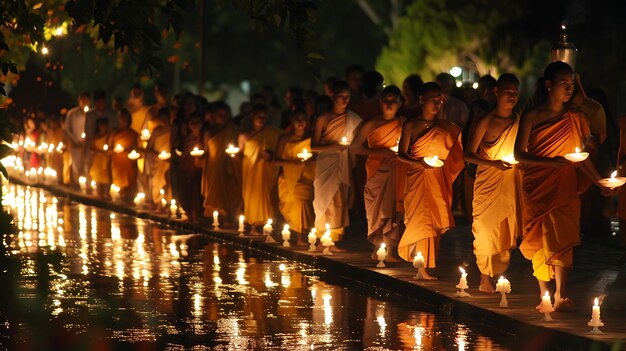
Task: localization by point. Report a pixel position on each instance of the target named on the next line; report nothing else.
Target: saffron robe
(429, 192)
(551, 206)
(332, 177)
(221, 178)
(157, 170)
(54, 159)
(295, 188)
(259, 176)
(123, 169)
(380, 187)
(496, 205)
(99, 170)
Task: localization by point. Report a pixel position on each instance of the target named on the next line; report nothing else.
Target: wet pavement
(84, 278)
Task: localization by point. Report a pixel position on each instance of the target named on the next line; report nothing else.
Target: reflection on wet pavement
(131, 284)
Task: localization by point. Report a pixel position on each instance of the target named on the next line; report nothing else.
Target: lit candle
(312, 239)
(433, 161)
(595, 321)
(503, 286)
(395, 147)
(381, 254)
(50, 148)
(344, 141)
(60, 147)
(510, 159)
(418, 262)
(164, 155)
(242, 228)
(105, 147)
(577, 156)
(134, 155)
(82, 181)
(216, 220)
(286, 234)
(163, 202)
(612, 182)
(267, 231)
(115, 192)
(118, 149)
(546, 306)
(232, 150)
(462, 284)
(83, 135)
(327, 241)
(93, 185)
(139, 199)
(196, 152)
(173, 208)
(305, 155)
(86, 109)
(145, 135)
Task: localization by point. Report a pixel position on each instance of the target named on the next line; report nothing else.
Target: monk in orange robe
(259, 174)
(428, 187)
(332, 175)
(221, 177)
(157, 169)
(295, 180)
(551, 183)
(123, 169)
(100, 169)
(376, 138)
(497, 188)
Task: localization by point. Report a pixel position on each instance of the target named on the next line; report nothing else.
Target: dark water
(121, 283)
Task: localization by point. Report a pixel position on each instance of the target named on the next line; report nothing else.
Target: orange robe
(332, 177)
(100, 162)
(221, 178)
(259, 177)
(123, 169)
(429, 192)
(497, 211)
(380, 187)
(157, 170)
(295, 188)
(551, 206)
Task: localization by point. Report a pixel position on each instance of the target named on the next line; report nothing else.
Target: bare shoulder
(531, 115)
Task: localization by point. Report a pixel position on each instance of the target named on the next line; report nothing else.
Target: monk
(259, 174)
(221, 178)
(100, 169)
(551, 206)
(54, 138)
(332, 175)
(157, 168)
(375, 139)
(190, 167)
(123, 169)
(428, 189)
(496, 209)
(295, 180)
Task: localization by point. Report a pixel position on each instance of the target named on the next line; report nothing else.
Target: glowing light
(456, 71)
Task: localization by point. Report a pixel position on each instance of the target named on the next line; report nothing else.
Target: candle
(216, 220)
(196, 152)
(510, 159)
(612, 182)
(50, 148)
(344, 141)
(267, 231)
(462, 284)
(118, 149)
(595, 321)
(145, 135)
(82, 181)
(418, 262)
(232, 150)
(60, 147)
(164, 155)
(134, 155)
(93, 185)
(381, 254)
(286, 234)
(105, 147)
(163, 202)
(433, 161)
(139, 199)
(305, 155)
(503, 286)
(114, 192)
(241, 225)
(395, 147)
(83, 135)
(546, 306)
(86, 109)
(173, 208)
(312, 237)
(327, 241)
(577, 156)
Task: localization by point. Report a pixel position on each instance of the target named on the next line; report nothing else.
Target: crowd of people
(389, 154)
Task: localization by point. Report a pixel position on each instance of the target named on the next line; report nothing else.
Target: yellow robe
(380, 187)
(123, 169)
(100, 162)
(158, 169)
(139, 119)
(428, 193)
(332, 177)
(551, 206)
(221, 177)
(496, 204)
(259, 177)
(295, 188)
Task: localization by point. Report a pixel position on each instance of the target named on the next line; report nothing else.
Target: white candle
(241, 225)
(60, 147)
(82, 181)
(418, 260)
(462, 284)
(118, 149)
(145, 135)
(134, 155)
(105, 147)
(433, 161)
(173, 208)
(163, 202)
(139, 199)
(232, 150)
(267, 228)
(595, 321)
(546, 306)
(286, 234)
(83, 135)
(86, 109)
(164, 155)
(216, 220)
(196, 151)
(312, 237)
(381, 254)
(327, 240)
(503, 286)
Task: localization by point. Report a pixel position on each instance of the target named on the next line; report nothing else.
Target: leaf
(3, 92)
(5, 68)
(13, 68)
(316, 56)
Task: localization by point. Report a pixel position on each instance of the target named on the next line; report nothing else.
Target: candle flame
(286, 227)
(613, 174)
(462, 270)
(383, 246)
(547, 294)
(270, 221)
(327, 226)
(215, 213)
(501, 278)
(173, 202)
(241, 217)
(577, 150)
(595, 302)
(435, 157)
(313, 230)
(419, 255)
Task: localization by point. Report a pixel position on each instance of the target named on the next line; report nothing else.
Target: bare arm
(359, 145)
(316, 139)
(280, 147)
(471, 153)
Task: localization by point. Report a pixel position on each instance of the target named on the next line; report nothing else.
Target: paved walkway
(596, 274)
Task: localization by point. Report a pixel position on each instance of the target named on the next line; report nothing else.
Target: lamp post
(564, 50)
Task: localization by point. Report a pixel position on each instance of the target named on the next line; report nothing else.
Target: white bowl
(577, 157)
(612, 183)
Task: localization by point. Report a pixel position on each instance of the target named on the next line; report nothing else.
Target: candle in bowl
(595, 321)
(312, 237)
(304, 155)
(164, 155)
(196, 152)
(612, 182)
(462, 284)
(546, 307)
(510, 159)
(286, 234)
(433, 161)
(232, 150)
(344, 141)
(381, 254)
(118, 149)
(577, 156)
(86, 109)
(134, 155)
(145, 135)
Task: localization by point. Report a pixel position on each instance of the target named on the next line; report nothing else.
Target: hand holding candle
(577, 156)
(196, 152)
(304, 155)
(164, 155)
(612, 182)
(134, 155)
(344, 141)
